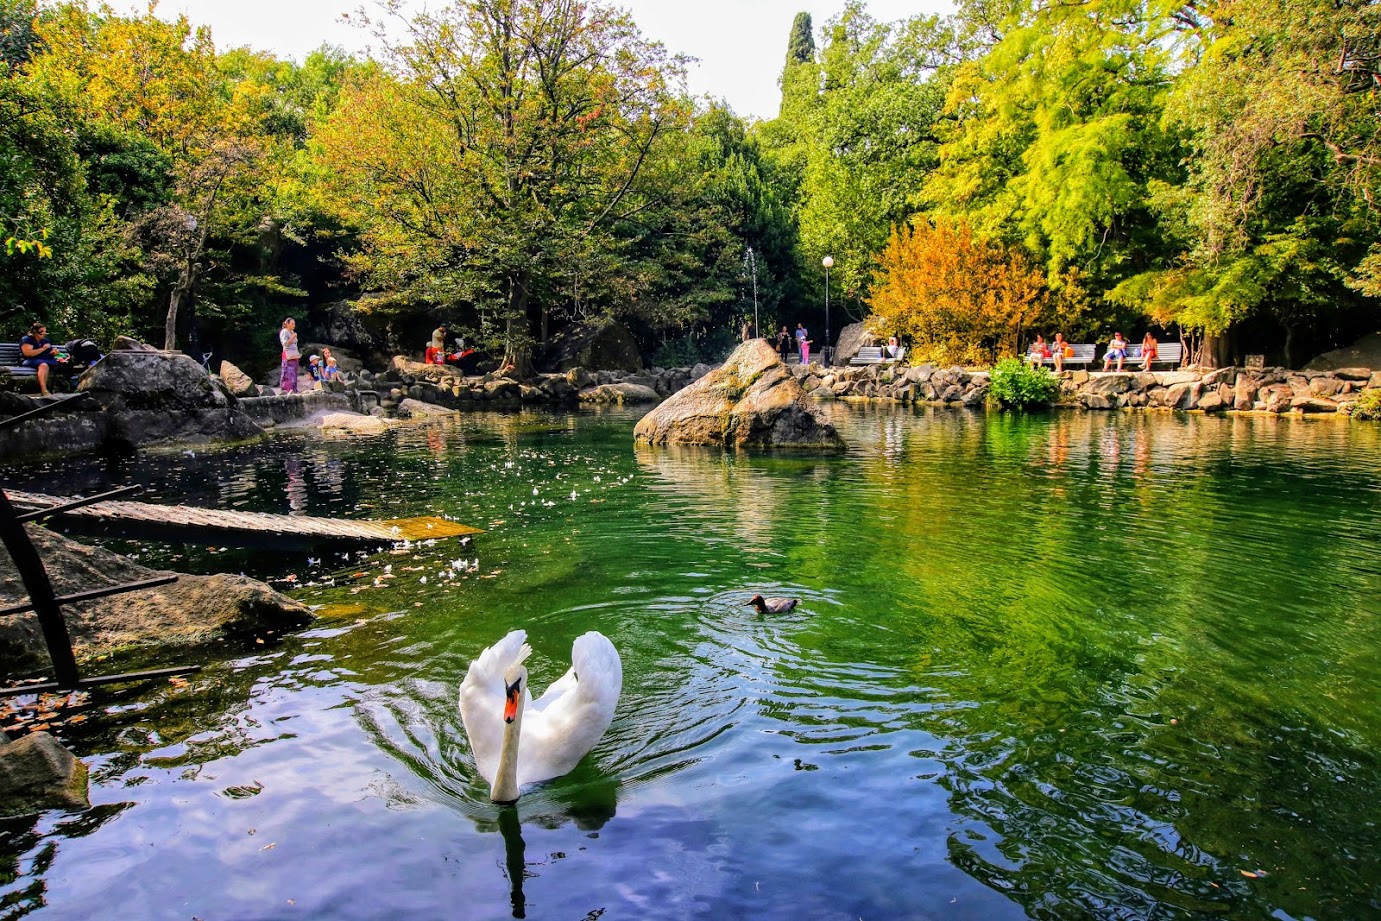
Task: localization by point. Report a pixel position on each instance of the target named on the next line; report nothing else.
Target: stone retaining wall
(1272, 390)
(288, 407)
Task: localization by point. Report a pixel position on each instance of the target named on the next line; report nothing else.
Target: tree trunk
(518, 330)
(170, 324)
(1289, 356)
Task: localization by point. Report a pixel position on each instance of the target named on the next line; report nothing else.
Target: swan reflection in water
(590, 806)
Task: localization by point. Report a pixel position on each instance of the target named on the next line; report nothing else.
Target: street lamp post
(827, 262)
(753, 261)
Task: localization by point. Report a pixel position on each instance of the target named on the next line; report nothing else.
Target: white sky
(741, 44)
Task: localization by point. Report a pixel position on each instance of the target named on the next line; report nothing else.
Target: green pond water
(1065, 666)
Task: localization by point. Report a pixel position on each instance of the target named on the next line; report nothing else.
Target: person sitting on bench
(1039, 352)
(1059, 351)
(1148, 350)
(1117, 351)
(39, 353)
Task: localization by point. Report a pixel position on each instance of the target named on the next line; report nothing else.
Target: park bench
(10, 358)
(1168, 354)
(1083, 355)
(872, 355)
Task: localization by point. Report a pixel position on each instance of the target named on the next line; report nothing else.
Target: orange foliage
(957, 297)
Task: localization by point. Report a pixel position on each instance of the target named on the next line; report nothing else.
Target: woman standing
(287, 337)
(783, 343)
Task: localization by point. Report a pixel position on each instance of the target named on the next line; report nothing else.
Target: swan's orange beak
(510, 704)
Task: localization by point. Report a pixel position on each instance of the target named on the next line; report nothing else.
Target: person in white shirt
(287, 337)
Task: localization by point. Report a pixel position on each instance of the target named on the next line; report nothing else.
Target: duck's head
(758, 602)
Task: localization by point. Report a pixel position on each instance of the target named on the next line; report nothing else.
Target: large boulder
(1364, 353)
(420, 409)
(434, 374)
(604, 344)
(620, 393)
(37, 774)
(238, 382)
(851, 338)
(192, 609)
(155, 396)
(751, 401)
(356, 423)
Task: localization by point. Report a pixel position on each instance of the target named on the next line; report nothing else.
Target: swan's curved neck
(504, 789)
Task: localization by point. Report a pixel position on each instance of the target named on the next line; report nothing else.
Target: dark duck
(772, 605)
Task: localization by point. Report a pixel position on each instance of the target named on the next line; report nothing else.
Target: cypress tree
(800, 47)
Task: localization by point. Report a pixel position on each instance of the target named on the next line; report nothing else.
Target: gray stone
(151, 380)
(1171, 378)
(851, 338)
(1353, 374)
(1183, 395)
(1211, 402)
(356, 423)
(1108, 384)
(190, 610)
(1220, 376)
(37, 774)
(600, 343)
(239, 383)
(752, 401)
(1326, 386)
(1313, 405)
(1097, 401)
(419, 409)
(620, 393)
(126, 344)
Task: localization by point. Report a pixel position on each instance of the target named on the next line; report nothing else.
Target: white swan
(517, 740)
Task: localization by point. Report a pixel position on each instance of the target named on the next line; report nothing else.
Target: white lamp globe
(828, 262)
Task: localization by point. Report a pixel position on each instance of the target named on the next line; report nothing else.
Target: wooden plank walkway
(224, 528)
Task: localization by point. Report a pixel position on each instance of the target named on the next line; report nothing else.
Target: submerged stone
(37, 773)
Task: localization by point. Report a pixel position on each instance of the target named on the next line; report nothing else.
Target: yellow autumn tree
(957, 297)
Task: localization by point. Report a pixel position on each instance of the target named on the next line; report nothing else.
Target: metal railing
(45, 602)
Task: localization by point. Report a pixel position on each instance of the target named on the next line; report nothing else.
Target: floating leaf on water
(244, 791)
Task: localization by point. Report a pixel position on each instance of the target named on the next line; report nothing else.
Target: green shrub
(1016, 385)
(1368, 406)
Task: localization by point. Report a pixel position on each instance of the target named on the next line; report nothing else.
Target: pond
(1063, 666)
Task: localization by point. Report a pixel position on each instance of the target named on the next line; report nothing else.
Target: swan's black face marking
(512, 692)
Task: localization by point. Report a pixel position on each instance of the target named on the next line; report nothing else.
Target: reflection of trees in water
(27, 853)
(712, 482)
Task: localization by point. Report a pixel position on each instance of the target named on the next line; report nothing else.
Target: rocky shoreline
(142, 398)
(1266, 390)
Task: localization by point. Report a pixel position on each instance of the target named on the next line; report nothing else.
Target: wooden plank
(222, 527)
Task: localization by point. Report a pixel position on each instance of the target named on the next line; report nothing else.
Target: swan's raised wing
(571, 717)
(482, 701)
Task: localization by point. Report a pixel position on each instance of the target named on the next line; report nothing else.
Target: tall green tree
(159, 82)
(1277, 216)
(1055, 133)
(800, 45)
(492, 166)
(857, 134)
